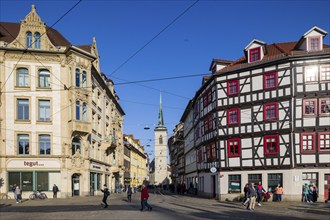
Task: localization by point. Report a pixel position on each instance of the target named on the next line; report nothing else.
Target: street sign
(213, 169)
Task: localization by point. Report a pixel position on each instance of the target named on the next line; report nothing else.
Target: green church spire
(160, 114)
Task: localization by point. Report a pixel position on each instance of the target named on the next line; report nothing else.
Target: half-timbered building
(265, 118)
(272, 114)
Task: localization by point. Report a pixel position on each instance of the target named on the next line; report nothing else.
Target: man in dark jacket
(144, 198)
(55, 190)
(106, 193)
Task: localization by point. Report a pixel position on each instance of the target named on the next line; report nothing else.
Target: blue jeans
(279, 197)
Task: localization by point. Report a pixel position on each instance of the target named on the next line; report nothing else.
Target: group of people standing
(252, 195)
(309, 193)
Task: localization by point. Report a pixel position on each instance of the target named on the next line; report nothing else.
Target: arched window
(77, 110)
(84, 112)
(76, 145)
(44, 78)
(28, 39)
(77, 78)
(84, 79)
(37, 41)
(160, 139)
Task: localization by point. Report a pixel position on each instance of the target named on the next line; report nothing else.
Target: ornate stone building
(61, 122)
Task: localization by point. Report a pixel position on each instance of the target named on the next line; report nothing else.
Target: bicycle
(4, 196)
(38, 195)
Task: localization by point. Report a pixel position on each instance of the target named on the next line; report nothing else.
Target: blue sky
(210, 29)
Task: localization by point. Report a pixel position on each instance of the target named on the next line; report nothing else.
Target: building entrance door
(327, 186)
(75, 185)
(213, 187)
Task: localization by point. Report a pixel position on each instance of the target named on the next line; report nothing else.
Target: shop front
(96, 171)
(33, 175)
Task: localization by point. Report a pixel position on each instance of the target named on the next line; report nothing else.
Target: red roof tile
(13, 28)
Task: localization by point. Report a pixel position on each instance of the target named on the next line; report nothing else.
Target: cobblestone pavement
(164, 207)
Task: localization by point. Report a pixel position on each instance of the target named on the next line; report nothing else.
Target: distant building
(138, 172)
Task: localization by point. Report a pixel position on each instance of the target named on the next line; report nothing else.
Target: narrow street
(164, 207)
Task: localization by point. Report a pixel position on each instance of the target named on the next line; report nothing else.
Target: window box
(271, 145)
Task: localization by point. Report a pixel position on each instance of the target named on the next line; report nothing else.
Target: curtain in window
(22, 78)
(44, 110)
(44, 144)
(44, 78)
(23, 143)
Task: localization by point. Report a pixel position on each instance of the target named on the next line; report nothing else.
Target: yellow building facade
(61, 122)
(138, 162)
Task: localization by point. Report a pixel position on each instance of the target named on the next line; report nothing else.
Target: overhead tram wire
(161, 79)
(153, 38)
(152, 88)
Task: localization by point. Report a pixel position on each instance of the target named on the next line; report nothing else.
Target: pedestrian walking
(18, 193)
(129, 193)
(260, 190)
(106, 193)
(278, 192)
(14, 191)
(252, 197)
(306, 192)
(315, 192)
(246, 194)
(144, 199)
(55, 190)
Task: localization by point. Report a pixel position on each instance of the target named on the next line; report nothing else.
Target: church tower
(160, 172)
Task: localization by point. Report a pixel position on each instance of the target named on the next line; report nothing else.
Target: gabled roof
(254, 41)
(13, 28)
(315, 28)
(274, 51)
(302, 39)
(87, 48)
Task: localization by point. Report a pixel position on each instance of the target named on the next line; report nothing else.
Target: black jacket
(106, 192)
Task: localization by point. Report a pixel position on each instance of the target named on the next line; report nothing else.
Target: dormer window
(315, 43)
(255, 54)
(28, 39)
